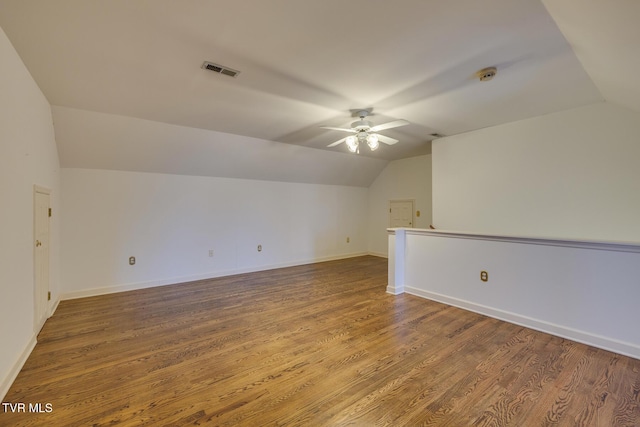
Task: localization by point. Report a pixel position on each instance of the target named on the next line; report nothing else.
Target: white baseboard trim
(54, 307)
(394, 291)
(379, 254)
(184, 279)
(605, 343)
(15, 370)
(13, 373)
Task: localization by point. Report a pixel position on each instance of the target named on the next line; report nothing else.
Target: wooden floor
(315, 345)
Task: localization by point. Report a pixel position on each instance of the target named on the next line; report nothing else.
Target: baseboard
(13, 373)
(605, 343)
(378, 254)
(212, 275)
(394, 291)
(54, 307)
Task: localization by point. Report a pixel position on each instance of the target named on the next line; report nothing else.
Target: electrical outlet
(259, 248)
(484, 276)
(348, 240)
(132, 260)
(210, 252)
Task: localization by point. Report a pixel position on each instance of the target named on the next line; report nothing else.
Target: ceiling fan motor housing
(361, 125)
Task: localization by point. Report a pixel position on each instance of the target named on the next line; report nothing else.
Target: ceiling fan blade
(386, 139)
(340, 141)
(340, 129)
(389, 125)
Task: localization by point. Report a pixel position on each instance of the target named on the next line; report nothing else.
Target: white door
(41, 255)
(401, 213)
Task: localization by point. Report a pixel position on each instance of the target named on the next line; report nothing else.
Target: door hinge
(49, 212)
(49, 296)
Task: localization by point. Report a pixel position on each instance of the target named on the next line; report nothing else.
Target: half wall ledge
(586, 291)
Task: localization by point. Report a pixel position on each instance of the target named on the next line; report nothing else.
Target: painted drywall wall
(28, 157)
(170, 222)
(572, 174)
(401, 179)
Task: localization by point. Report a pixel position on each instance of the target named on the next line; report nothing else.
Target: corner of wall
(28, 157)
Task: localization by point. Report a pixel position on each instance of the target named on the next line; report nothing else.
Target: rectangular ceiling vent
(221, 69)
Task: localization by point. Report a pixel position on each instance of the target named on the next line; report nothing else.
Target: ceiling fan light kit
(353, 141)
(372, 142)
(365, 133)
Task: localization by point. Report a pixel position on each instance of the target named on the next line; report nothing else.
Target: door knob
(38, 243)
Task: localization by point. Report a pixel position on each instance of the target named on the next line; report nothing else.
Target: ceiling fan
(365, 132)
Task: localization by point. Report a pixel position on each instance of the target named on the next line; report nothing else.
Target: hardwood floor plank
(313, 345)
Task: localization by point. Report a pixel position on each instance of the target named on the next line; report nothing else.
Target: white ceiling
(605, 36)
(308, 63)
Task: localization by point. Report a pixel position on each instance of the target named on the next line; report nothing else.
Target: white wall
(572, 174)
(170, 222)
(28, 156)
(401, 179)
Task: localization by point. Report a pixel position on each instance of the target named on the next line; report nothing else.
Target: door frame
(413, 208)
(38, 324)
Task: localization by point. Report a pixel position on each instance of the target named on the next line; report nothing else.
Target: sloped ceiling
(605, 36)
(105, 141)
(304, 64)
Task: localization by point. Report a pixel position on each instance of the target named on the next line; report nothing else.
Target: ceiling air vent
(221, 69)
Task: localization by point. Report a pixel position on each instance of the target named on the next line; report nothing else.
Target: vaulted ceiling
(309, 63)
